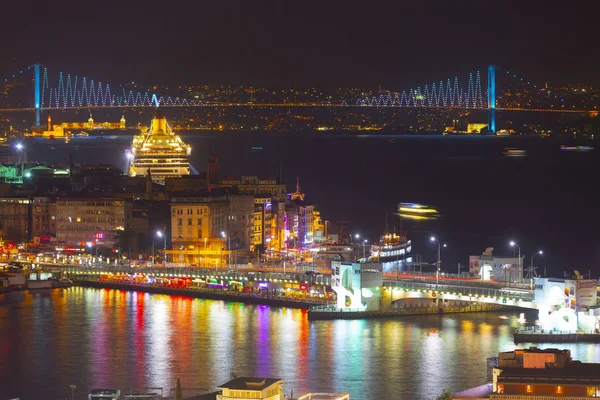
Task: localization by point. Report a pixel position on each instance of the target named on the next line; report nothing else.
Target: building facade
(488, 267)
(91, 221)
(15, 218)
(252, 388)
(544, 374)
(43, 216)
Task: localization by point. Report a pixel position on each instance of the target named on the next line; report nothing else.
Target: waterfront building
(357, 285)
(567, 304)
(159, 152)
(245, 388)
(206, 229)
(502, 269)
(15, 220)
(91, 221)
(544, 374)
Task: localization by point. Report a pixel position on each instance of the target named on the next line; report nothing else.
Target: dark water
(106, 338)
(546, 200)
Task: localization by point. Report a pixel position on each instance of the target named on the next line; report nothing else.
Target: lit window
(78, 219)
(529, 389)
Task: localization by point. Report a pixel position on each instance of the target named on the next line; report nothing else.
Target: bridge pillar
(492, 99)
(36, 93)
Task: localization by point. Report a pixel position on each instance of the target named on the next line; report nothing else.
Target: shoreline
(197, 294)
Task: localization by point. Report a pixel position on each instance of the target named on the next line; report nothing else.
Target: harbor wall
(214, 295)
(315, 315)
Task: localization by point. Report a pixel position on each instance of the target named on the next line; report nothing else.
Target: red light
(303, 287)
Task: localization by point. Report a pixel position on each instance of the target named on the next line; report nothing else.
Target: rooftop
(247, 383)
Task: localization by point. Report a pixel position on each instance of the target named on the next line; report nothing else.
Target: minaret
(49, 123)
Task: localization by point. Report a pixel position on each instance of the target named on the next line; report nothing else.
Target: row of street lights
(512, 243)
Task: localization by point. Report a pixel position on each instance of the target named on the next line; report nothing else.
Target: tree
(123, 239)
(446, 395)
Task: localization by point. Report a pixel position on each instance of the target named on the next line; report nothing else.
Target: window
(189, 222)
(593, 391)
(179, 222)
(180, 232)
(199, 233)
(199, 221)
(529, 389)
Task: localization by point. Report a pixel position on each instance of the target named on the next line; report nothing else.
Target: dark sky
(281, 43)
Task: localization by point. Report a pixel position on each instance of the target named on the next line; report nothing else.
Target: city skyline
(282, 45)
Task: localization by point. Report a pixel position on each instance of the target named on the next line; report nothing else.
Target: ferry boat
(417, 211)
(391, 247)
(159, 152)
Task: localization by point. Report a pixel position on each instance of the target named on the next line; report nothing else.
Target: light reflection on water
(108, 338)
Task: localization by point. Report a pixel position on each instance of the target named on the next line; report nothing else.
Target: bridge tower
(36, 93)
(492, 99)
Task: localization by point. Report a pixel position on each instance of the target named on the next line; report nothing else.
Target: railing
(459, 290)
(538, 330)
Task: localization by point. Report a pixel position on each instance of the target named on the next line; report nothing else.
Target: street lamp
(224, 235)
(364, 246)
(439, 261)
(72, 391)
(160, 234)
(532, 270)
(513, 244)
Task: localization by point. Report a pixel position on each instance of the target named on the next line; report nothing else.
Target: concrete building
(567, 304)
(256, 187)
(15, 218)
(252, 388)
(240, 221)
(43, 216)
(91, 221)
(357, 285)
(488, 267)
(544, 374)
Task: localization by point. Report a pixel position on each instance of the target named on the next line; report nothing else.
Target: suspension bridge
(67, 91)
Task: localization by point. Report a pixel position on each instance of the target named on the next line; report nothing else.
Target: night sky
(302, 43)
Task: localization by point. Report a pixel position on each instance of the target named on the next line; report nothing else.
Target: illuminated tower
(49, 123)
(36, 93)
(492, 99)
(90, 123)
(122, 122)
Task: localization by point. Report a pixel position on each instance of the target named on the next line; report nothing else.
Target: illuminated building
(246, 388)
(357, 285)
(205, 229)
(567, 304)
(544, 374)
(475, 127)
(488, 267)
(298, 219)
(159, 152)
(90, 221)
(61, 129)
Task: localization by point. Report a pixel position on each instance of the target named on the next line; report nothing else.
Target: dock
(541, 336)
